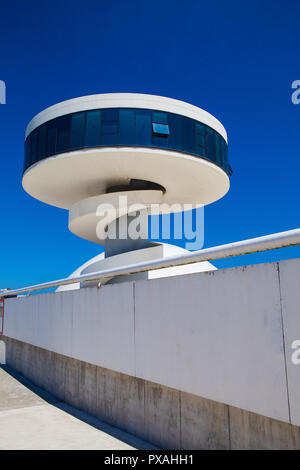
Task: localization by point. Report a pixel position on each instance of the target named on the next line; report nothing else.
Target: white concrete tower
(98, 150)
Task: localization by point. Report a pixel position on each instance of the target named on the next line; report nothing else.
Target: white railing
(253, 245)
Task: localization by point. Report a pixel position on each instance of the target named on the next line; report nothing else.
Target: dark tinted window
(127, 127)
(27, 153)
(189, 142)
(34, 146)
(77, 130)
(160, 135)
(143, 127)
(132, 127)
(93, 121)
(63, 134)
(218, 149)
(200, 130)
(110, 114)
(109, 139)
(160, 117)
(42, 141)
(159, 141)
(210, 142)
(51, 138)
(109, 127)
(224, 155)
(176, 132)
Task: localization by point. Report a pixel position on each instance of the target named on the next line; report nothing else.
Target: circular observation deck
(80, 149)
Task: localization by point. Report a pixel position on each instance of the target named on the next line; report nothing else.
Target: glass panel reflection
(132, 127)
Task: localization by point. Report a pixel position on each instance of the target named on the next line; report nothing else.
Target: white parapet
(225, 335)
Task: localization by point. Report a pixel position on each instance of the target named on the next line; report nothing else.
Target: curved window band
(125, 127)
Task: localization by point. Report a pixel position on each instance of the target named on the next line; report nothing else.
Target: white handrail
(253, 245)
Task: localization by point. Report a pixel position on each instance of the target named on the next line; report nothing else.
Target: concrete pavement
(31, 418)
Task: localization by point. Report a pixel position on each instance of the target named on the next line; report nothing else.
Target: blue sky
(235, 59)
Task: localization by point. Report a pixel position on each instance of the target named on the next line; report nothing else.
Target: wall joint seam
(283, 342)
(134, 333)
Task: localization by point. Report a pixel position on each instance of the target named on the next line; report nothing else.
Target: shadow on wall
(18, 380)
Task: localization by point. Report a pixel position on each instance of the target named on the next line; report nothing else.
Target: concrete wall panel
(41, 320)
(93, 325)
(162, 416)
(289, 281)
(103, 327)
(217, 335)
(169, 418)
(252, 431)
(204, 424)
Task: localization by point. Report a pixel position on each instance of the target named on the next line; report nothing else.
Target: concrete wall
(169, 418)
(222, 335)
